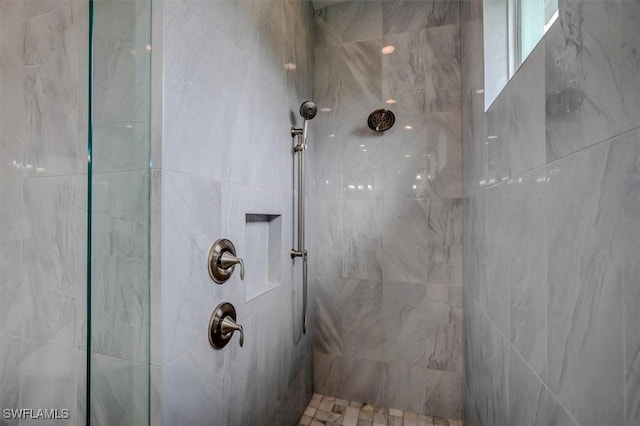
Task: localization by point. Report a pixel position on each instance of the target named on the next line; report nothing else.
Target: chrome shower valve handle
(222, 325)
(228, 260)
(222, 261)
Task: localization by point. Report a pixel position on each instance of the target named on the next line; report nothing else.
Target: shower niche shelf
(263, 253)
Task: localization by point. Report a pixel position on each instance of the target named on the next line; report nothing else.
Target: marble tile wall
(42, 207)
(228, 105)
(551, 225)
(385, 216)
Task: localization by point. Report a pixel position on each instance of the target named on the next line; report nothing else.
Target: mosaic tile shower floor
(329, 411)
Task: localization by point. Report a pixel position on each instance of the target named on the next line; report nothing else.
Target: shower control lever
(227, 260)
(222, 325)
(222, 261)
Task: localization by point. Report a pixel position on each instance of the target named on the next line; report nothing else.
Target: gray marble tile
(361, 78)
(628, 13)
(328, 300)
(401, 16)
(487, 368)
(527, 394)
(192, 121)
(556, 414)
(9, 374)
(472, 52)
(325, 259)
(361, 20)
(442, 68)
(444, 337)
(51, 94)
(496, 143)
(53, 294)
(406, 324)
(11, 210)
(120, 147)
(327, 373)
(443, 392)
(443, 293)
(525, 135)
(619, 204)
(156, 390)
(404, 240)
(444, 237)
(406, 388)
(587, 247)
(497, 292)
(525, 222)
(234, 18)
(362, 320)
(11, 313)
(299, 43)
(405, 155)
(420, 332)
(192, 208)
(327, 75)
(119, 391)
(48, 378)
(404, 68)
(325, 156)
(476, 166)
(191, 386)
(13, 115)
(364, 380)
(583, 97)
(474, 272)
(120, 265)
(362, 233)
(362, 159)
(444, 154)
(243, 379)
(632, 350)
(407, 101)
(19, 10)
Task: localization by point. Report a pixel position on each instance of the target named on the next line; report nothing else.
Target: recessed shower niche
(263, 257)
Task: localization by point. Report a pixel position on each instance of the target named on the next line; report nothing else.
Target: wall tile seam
(212, 22)
(40, 177)
(506, 181)
(167, 362)
(399, 198)
(56, 9)
(42, 342)
(512, 347)
(611, 139)
(136, 362)
(593, 145)
(223, 182)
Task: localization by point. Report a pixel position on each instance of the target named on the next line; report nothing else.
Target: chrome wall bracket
(222, 261)
(222, 325)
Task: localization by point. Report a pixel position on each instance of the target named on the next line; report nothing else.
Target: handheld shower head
(308, 110)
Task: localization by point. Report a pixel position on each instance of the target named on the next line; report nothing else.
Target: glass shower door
(119, 215)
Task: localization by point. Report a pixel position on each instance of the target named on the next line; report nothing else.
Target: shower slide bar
(308, 110)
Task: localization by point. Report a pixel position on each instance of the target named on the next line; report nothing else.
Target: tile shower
(386, 239)
(189, 142)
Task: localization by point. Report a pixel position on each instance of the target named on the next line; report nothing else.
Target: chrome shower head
(381, 120)
(308, 110)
